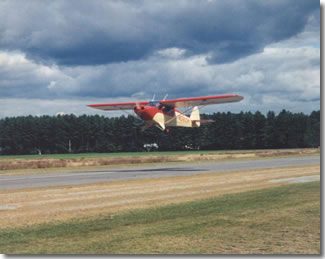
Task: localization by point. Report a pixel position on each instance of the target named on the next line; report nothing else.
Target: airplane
(165, 113)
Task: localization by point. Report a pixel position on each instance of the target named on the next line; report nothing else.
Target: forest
(85, 133)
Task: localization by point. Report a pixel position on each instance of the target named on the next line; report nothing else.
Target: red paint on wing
(197, 101)
(117, 104)
(200, 98)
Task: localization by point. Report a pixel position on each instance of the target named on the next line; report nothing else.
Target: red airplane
(165, 114)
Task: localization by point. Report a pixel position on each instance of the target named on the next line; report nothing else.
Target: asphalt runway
(87, 177)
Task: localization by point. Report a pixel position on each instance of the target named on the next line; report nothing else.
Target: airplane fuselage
(163, 116)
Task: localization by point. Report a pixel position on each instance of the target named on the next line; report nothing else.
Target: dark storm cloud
(61, 55)
(102, 32)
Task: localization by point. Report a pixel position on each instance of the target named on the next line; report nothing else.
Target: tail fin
(195, 117)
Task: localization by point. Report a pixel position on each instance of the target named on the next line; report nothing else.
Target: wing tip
(240, 97)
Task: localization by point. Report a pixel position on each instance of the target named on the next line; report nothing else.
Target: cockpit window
(164, 108)
(154, 103)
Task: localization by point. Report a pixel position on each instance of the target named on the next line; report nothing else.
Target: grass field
(103, 155)
(277, 220)
(141, 154)
(60, 203)
(88, 161)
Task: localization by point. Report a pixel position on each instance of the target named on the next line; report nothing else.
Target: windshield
(154, 103)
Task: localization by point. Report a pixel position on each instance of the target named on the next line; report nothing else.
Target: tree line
(85, 133)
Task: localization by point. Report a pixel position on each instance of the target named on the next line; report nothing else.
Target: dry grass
(278, 220)
(10, 164)
(7, 165)
(40, 205)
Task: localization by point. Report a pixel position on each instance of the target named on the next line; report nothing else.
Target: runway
(87, 177)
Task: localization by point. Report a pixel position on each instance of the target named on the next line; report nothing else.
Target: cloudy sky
(59, 56)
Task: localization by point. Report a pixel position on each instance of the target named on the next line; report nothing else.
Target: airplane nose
(145, 112)
(138, 108)
(139, 111)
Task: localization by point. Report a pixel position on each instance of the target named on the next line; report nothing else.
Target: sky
(58, 56)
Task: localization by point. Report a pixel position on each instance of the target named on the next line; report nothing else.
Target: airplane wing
(176, 103)
(116, 106)
(198, 101)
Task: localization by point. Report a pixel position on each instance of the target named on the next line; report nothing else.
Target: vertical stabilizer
(195, 117)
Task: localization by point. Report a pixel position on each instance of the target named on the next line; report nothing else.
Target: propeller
(138, 122)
